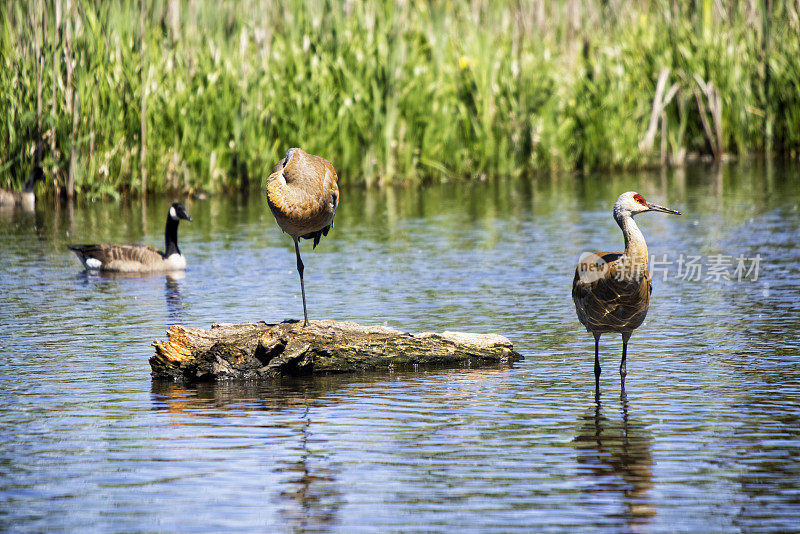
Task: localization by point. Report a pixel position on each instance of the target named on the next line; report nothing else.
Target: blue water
(706, 435)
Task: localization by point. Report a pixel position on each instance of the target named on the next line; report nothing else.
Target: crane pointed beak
(662, 209)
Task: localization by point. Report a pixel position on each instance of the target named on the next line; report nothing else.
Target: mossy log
(260, 350)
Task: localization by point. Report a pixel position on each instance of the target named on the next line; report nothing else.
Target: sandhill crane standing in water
(303, 194)
(612, 290)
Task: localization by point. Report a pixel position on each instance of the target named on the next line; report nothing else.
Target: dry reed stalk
(658, 105)
(712, 96)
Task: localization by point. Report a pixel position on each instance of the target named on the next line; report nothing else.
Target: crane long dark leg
(623, 370)
(597, 362)
(302, 285)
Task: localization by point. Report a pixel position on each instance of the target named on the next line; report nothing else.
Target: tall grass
(389, 91)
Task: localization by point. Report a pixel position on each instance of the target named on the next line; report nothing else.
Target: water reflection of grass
(391, 92)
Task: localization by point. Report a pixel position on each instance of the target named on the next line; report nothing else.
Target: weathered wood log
(260, 350)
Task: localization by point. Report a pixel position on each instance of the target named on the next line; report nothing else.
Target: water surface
(706, 435)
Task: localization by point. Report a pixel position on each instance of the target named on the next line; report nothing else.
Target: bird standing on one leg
(303, 194)
(612, 290)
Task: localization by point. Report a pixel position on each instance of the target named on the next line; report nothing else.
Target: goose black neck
(36, 174)
(171, 237)
(28, 187)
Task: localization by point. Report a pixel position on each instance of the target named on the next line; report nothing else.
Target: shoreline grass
(392, 92)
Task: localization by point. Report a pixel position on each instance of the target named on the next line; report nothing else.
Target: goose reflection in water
(172, 295)
(616, 455)
(172, 287)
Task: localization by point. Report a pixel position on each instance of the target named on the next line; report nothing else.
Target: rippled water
(706, 436)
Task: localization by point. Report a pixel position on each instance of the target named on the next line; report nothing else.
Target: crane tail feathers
(316, 236)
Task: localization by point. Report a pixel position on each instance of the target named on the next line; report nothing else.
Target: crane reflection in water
(300, 478)
(615, 454)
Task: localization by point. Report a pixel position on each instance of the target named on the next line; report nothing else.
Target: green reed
(391, 92)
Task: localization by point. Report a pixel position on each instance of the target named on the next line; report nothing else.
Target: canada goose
(25, 198)
(303, 194)
(611, 290)
(138, 258)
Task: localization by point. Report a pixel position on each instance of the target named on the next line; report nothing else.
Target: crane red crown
(640, 199)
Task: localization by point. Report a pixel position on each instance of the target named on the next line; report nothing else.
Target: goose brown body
(9, 198)
(611, 290)
(127, 258)
(25, 198)
(303, 194)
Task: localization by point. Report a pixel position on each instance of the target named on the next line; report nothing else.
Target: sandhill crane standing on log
(612, 290)
(303, 194)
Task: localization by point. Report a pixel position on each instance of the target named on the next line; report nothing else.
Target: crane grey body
(611, 290)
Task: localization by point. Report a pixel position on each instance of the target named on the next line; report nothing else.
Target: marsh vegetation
(115, 98)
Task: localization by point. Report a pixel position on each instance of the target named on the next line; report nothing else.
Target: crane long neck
(171, 237)
(635, 245)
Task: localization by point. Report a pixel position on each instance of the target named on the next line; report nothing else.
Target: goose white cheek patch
(172, 214)
(93, 263)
